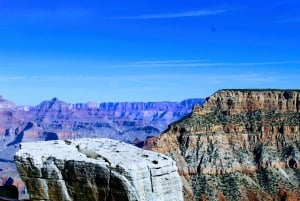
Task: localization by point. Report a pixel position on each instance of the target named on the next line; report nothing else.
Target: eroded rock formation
(241, 145)
(96, 169)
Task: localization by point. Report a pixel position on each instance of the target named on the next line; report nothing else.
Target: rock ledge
(96, 169)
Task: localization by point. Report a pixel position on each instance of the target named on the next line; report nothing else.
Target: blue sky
(150, 50)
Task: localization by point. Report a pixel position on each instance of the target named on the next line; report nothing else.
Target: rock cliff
(96, 169)
(240, 145)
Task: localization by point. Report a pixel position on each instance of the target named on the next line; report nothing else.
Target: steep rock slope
(97, 169)
(241, 145)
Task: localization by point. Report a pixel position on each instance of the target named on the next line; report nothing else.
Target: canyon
(240, 145)
(131, 122)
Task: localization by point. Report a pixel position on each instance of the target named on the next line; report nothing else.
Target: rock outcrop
(240, 145)
(96, 169)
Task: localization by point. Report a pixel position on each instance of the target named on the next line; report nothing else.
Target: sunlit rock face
(96, 169)
(240, 145)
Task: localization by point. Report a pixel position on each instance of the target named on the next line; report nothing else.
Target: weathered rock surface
(96, 169)
(241, 145)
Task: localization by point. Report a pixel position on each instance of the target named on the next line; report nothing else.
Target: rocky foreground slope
(241, 145)
(97, 169)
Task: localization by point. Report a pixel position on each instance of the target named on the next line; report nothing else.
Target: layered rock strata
(96, 169)
(241, 145)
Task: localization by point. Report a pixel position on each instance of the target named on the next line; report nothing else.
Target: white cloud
(195, 13)
(197, 63)
(168, 61)
(11, 78)
(288, 20)
(42, 14)
(214, 72)
(251, 78)
(263, 63)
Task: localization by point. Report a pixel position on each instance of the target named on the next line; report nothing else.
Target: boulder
(96, 169)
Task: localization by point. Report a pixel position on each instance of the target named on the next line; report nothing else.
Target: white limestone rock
(96, 169)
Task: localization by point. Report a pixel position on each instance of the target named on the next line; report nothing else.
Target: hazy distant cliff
(127, 121)
(241, 145)
(122, 120)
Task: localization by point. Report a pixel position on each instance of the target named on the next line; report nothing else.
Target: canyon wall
(240, 145)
